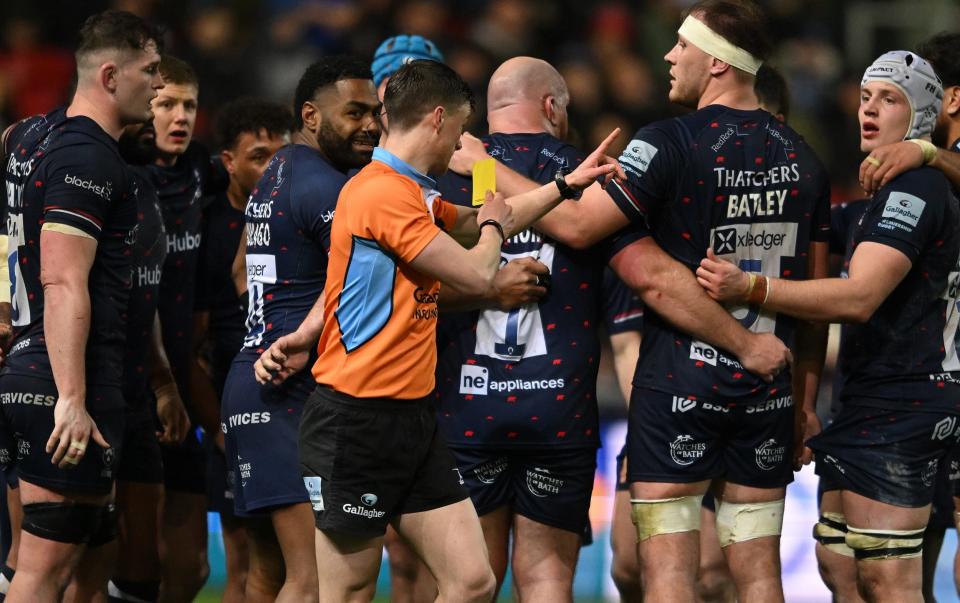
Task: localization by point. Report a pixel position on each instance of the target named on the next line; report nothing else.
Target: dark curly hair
(250, 115)
(323, 73)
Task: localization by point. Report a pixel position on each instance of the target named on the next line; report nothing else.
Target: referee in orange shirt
(370, 451)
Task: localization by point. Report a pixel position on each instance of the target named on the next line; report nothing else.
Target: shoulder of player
(925, 182)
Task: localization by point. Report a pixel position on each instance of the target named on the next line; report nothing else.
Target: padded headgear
(397, 51)
(918, 82)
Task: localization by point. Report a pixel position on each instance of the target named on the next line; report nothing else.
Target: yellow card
(484, 179)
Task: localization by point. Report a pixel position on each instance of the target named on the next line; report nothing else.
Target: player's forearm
(309, 331)
(160, 372)
(948, 162)
(626, 350)
(670, 289)
(66, 326)
(822, 300)
(532, 205)
(811, 351)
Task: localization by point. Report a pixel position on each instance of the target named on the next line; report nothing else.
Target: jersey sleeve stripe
(77, 214)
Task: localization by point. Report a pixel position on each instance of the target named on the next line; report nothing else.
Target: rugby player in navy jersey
(288, 225)
(517, 386)
(899, 362)
(942, 51)
(70, 289)
(701, 411)
(182, 174)
(249, 131)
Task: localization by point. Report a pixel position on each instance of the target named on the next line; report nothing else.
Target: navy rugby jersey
(216, 293)
(623, 309)
(69, 172)
(180, 189)
(288, 221)
(745, 184)
(843, 219)
(527, 377)
(906, 354)
(148, 253)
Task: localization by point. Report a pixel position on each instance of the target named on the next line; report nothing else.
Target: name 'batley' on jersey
(744, 184)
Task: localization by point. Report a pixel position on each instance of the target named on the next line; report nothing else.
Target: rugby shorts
(891, 456)
(26, 423)
(672, 439)
(549, 486)
(261, 424)
(367, 461)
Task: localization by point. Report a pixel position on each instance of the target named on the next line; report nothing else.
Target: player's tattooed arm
(895, 159)
(289, 354)
(810, 353)
(65, 265)
(171, 411)
(670, 289)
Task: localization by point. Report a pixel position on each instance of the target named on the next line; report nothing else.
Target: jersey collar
(402, 167)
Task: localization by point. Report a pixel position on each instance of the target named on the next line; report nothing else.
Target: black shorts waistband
(331, 395)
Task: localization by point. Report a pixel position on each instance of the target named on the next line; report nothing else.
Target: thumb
(98, 437)
(711, 255)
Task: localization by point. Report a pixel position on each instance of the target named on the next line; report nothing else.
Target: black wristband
(492, 222)
(566, 191)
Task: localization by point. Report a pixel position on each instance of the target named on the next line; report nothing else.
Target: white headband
(712, 43)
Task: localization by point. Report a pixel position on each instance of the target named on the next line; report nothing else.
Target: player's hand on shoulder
(519, 282)
(496, 208)
(597, 166)
(885, 163)
(766, 356)
(471, 151)
(722, 280)
(172, 414)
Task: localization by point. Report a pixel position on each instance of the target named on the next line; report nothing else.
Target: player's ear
(108, 75)
(550, 108)
(226, 157)
(311, 116)
(951, 100)
(437, 118)
(718, 67)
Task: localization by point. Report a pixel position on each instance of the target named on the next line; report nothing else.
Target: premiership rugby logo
(770, 454)
(684, 451)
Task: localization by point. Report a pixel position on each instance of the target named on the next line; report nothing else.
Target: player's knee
(714, 582)
(625, 571)
(665, 516)
(740, 522)
(478, 585)
(68, 522)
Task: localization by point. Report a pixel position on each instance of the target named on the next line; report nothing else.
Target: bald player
(517, 387)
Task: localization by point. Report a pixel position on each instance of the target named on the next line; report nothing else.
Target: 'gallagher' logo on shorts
(369, 500)
(684, 451)
(770, 454)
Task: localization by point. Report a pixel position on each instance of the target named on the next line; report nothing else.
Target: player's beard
(340, 150)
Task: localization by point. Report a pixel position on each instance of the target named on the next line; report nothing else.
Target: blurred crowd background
(609, 51)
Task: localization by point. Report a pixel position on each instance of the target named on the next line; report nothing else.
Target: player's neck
(513, 123)
(409, 147)
(738, 96)
(166, 159)
(236, 195)
(101, 112)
